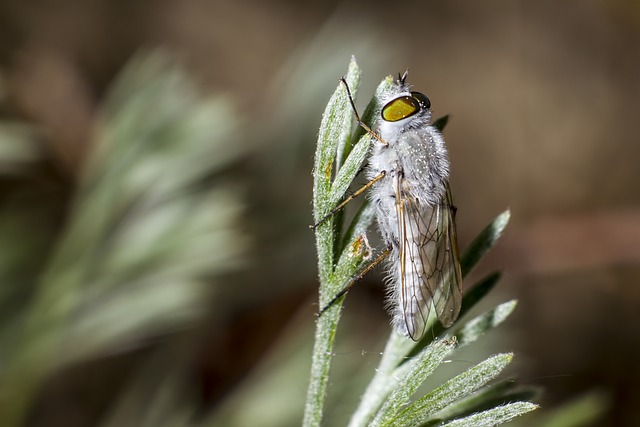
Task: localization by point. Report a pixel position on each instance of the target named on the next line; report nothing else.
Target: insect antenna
(402, 78)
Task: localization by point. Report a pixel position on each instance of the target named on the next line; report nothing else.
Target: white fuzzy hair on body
(415, 164)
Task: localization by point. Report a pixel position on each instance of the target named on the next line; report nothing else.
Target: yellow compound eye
(400, 108)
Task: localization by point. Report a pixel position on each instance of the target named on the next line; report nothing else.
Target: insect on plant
(408, 175)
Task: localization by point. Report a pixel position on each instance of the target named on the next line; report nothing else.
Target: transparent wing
(430, 276)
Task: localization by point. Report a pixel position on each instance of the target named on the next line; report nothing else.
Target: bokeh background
(151, 281)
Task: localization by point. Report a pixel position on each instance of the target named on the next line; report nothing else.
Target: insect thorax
(418, 159)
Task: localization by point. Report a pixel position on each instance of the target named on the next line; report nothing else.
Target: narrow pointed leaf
(495, 416)
(349, 170)
(410, 376)
(345, 138)
(485, 241)
(441, 123)
(454, 389)
(476, 327)
(490, 396)
(335, 129)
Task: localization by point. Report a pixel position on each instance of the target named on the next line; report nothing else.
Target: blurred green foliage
(150, 229)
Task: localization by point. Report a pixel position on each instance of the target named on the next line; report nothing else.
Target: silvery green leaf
(461, 385)
(349, 169)
(477, 326)
(483, 242)
(335, 129)
(410, 376)
(495, 416)
(490, 396)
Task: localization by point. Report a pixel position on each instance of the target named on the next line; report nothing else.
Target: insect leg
(358, 119)
(355, 279)
(348, 199)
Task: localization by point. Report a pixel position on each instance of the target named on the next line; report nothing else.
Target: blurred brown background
(543, 97)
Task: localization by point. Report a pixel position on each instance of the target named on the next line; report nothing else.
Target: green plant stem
(326, 326)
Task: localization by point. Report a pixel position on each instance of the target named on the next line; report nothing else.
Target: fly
(408, 175)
